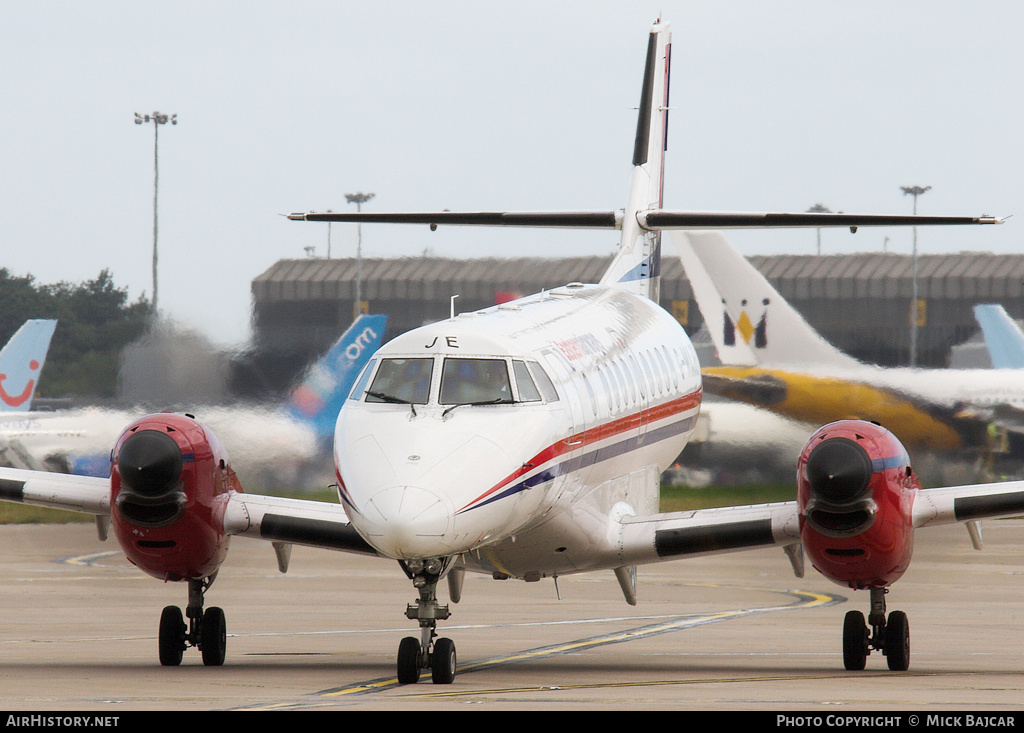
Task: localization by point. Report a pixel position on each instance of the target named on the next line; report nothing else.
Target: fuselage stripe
(882, 464)
(589, 437)
(589, 459)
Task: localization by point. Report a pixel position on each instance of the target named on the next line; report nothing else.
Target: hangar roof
(968, 275)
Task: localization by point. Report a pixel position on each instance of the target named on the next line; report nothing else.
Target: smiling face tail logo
(21, 363)
(17, 400)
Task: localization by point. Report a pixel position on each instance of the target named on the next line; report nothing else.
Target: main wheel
(213, 637)
(172, 636)
(897, 641)
(409, 661)
(855, 641)
(442, 662)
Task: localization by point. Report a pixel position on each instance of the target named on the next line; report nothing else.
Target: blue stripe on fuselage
(605, 453)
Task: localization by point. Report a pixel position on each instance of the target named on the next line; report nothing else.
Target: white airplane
(771, 357)
(277, 444)
(522, 441)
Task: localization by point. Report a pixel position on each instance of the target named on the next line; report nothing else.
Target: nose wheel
(427, 652)
(205, 629)
(413, 658)
(889, 635)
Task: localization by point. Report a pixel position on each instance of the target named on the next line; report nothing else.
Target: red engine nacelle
(170, 480)
(855, 490)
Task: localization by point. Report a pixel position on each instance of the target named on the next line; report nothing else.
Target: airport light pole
(914, 191)
(359, 199)
(819, 209)
(329, 237)
(157, 118)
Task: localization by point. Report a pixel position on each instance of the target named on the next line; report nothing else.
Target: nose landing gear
(427, 652)
(891, 636)
(206, 630)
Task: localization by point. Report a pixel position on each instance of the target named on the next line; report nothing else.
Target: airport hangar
(859, 302)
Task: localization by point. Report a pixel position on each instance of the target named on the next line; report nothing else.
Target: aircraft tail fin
(750, 323)
(21, 363)
(1003, 337)
(325, 386)
(637, 265)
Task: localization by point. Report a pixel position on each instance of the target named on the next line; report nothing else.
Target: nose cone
(407, 522)
(150, 463)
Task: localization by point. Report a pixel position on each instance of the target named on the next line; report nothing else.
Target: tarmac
(734, 632)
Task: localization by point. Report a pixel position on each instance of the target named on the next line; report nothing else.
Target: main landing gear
(427, 652)
(890, 636)
(206, 630)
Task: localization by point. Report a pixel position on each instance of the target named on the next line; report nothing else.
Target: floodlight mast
(819, 209)
(157, 118)
(914, 191)
(359, 199)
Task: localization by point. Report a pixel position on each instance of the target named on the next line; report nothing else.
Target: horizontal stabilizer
(664, 219)
(556, 219)
(653, 220)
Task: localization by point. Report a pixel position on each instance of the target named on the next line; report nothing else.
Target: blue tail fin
(318, 399)
(21, 362)
(1003, 336)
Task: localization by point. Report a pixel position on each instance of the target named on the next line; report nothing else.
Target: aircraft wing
(86, 494)
(753, 386)
(968, 503)
(272, 518)
(676, 535)
(293, 521)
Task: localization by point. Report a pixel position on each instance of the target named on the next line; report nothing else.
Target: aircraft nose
(410, 522)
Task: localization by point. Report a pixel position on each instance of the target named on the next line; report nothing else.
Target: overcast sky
(521, 105)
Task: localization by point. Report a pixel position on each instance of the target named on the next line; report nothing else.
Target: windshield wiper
(497, 401)
(392, 399)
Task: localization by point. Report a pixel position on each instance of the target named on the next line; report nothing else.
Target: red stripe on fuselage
(595, 434)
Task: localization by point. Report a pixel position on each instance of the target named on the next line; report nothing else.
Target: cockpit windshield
(474, 381)
(464, 381)
(403, 381)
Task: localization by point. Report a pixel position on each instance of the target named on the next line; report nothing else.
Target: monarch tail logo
(744, 326)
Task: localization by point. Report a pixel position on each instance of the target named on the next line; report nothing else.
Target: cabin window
(404, 381)
(662, 369)
(528, 391)
(645, 365)
(641, 383)
(606, 389)
(475, 381)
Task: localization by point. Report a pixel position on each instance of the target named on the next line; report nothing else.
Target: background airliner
(773, 358)
(1003, 337)
(525, 441)
(21, 363)
(277, 444)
